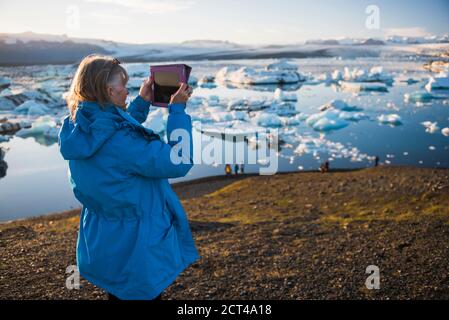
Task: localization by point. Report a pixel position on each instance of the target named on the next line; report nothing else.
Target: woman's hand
(146, 90)
(182, 95)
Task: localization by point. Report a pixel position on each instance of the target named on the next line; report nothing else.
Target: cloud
(150, 7)
(407, 32)
(110, 18)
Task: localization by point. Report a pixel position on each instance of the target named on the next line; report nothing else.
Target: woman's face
(118, 92)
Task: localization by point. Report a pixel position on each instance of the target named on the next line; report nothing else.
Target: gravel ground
(302, 235)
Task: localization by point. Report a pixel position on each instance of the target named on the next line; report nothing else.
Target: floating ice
(391, 119)
(44, 125)
(192, 80)
(439, 82)
(432, 148)
(431, 127)
(327, 120)
(206, 79)
(207, 85)
(6, 104)
(375, 74)
(251, 76)
(311, 145)
(420, 96)
(281, 95)
(363, 86)
(266, 119)
(282, 65)
(157, 120)
(337, 75)
(283, 108)
(135, 83)
(445, 131)
(233, 128)
(213, 101)
(339, 105)
(353, 116)
(4, 83)
(222, 116)
(207, 82)
(295, 120)
(248, 104)
(32, 108)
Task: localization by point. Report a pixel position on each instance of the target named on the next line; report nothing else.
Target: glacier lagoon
(318, 119)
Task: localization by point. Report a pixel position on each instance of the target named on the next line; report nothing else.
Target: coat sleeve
(138, 109)
(157, 159)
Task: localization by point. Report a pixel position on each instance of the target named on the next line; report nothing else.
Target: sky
(239, 21)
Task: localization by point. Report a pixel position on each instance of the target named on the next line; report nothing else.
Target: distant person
(324, 166)
(130, 244)
(242, 168)
(376, 161)
(228, 170)
(236, 169)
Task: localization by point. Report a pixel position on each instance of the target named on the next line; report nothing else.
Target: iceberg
(9, 127)
(419, 96)
(213, 101)
(4, 83)
(431, 127)
(334, 115)
(6, 104)
(248, 104)
(353, 116)
(207, 79)
(283, 108)
(251, 76)
(32, 108)
(280, 95)
(333, 77)
(207, 82)
(282, 65)
(233, 128)
(439, 82)
(325, 121)
(268, 119)
(157, 120)
(135, 83)
(363, 86)
(375, 74)
(311, 145)
(295, 120)
(223, 116)
(193, 81)
(207, 85)
(4, 138)
(391, 119)
(44, 125)
(139, 70)
(195, 101)
(339, 105)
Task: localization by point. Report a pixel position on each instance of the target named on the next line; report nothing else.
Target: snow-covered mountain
(31, 48)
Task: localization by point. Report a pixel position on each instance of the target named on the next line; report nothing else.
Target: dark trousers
(114, 298)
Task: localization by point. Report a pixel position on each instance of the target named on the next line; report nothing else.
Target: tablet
(166, 81)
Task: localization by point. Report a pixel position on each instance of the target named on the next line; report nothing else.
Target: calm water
(36, 178)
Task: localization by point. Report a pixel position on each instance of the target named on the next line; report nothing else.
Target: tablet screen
(165, 84)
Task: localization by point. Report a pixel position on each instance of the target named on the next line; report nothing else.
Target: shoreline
(177, 185)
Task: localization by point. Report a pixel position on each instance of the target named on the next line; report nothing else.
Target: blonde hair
(90, 82)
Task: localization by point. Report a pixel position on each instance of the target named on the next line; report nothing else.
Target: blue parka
(134, 237)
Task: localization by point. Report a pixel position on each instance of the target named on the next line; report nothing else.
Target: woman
(134, 237)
